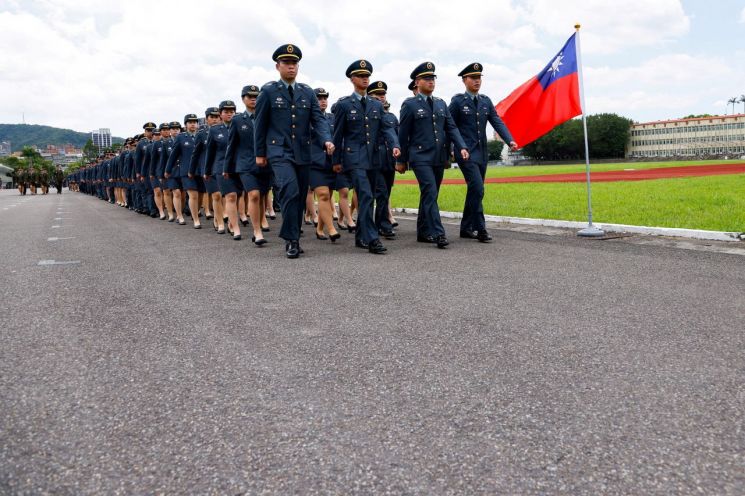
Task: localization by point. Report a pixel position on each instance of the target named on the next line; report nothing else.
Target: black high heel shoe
(352, 228)
(258, 242)
(244, 222)
(334, 237)
(322, 237)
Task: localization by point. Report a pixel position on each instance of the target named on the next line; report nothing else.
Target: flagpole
(590, 231)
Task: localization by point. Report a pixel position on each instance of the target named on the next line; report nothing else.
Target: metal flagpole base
(591, 232)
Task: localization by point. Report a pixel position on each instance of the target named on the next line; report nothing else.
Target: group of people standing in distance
(287, 143)
(33, 179)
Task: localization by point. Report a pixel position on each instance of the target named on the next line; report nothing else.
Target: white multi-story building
(101, 138)
(719, 135)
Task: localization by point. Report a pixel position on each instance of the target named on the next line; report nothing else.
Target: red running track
(616, 175)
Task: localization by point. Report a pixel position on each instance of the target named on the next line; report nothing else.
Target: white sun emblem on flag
(555, 64)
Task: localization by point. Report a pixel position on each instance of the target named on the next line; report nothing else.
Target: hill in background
(21, 135)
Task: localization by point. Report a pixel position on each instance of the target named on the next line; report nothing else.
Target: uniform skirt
(190, 183)
(343, 181)
(253, 181)
(174, 183)
(323, 177)
(232, 184)
(211, 185)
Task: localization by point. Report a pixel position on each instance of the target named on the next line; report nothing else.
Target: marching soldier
(196, 167)
(142, 161)
(285, 112)
(217, 144)
(358, 123)
(322, 176)
(177, 170)
(240, 163)
(425, 131)
(471, 111)
(386, 177)
(156, 151)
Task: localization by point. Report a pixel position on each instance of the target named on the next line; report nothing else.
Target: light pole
(742, 100)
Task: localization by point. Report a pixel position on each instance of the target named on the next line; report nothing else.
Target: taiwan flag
(546, 100)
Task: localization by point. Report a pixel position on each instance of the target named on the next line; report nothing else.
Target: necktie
(363, 101)
(476, 102)
(292, 92)
(431, 104)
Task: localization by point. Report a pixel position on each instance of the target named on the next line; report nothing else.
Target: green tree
(607, 136)
(90, 151)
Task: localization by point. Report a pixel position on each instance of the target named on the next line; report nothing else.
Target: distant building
(4, 148)
(715, 136)
(101, 138)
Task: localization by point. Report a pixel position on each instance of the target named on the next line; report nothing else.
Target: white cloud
(742, 15)
(86, 64)
(611, 26)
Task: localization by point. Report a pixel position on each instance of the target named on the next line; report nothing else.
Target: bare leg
(242, 205)
(310, 208)
(218, 210)
(168, 199)
(194, 206)
(206, 204)
(269, 204)
(325, 218)
(255, 211)
(178, 205)
(231, 207)
(159, 201)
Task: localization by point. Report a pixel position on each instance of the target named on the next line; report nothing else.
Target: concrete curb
(618, 228)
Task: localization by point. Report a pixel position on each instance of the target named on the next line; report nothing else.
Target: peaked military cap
(212, 111)
(175, 125)
(250, 90)
(423, 70)
(191, 118)
(473, 69)
(359, 68)
(321, 92)
(289, 52)
(149, 126)
(377, 87)
(163, 126)
(227, 105)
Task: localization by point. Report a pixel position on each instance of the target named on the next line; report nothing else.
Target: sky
(89, 64)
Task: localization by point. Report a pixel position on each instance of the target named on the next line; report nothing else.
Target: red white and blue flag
(546, 100)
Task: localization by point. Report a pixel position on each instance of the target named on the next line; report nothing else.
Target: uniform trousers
(428, 221)
(291, 179)
(364, 182)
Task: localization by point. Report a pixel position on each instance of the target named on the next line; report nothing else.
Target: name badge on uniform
(244, 127)
(219, 135)
(352, 111)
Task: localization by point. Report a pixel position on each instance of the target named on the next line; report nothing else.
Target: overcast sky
(85, 64)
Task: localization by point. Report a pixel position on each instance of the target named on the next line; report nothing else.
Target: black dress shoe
(484, 236)
(442, 241)
(258, 242)
(376, 247)
(388, 234)
(425, 239)
(361, 244)
(292, 249)
(468, 235)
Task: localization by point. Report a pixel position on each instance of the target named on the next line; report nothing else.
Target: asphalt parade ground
(142, 357)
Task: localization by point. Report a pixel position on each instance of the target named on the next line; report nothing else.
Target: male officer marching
(471, 112)
(358, 123)
(425, 131)
(285, 112)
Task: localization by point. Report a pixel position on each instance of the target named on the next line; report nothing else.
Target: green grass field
(714, 203)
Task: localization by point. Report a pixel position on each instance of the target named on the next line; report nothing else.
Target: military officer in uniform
(471, 111)
(196, 167)
(285, 112)
(240, 163)
(323, 177)
(358, 124)
(217, 144)
(156, 151)
(426, 129)
(142, 160)
(386, 177)
(59, 176)
(177, 171)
